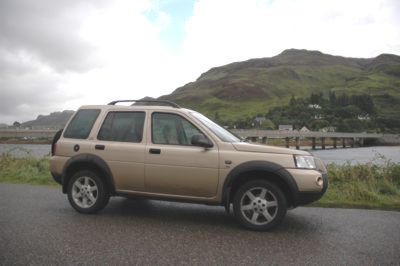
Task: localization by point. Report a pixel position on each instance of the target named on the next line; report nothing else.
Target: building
(285, 128)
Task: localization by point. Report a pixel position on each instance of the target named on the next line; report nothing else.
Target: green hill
(243, 90)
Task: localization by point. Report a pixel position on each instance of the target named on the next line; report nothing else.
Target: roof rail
(168, 103)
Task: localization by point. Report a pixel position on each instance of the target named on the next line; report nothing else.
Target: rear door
(173, 165)
(120, 143)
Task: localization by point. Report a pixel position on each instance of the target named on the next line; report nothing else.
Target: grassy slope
(245, 89)
(361, 186)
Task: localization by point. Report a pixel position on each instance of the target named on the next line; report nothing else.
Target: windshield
(221, 132)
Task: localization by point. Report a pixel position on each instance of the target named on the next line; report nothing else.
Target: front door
(175, 167)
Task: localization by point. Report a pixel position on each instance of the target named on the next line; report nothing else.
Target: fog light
(319, 181)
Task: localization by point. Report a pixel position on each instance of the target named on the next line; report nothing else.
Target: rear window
(122, 126)
(81, 124)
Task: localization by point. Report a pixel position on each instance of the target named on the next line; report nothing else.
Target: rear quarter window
(82, 123)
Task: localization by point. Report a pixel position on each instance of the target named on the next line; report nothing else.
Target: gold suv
(156, 149)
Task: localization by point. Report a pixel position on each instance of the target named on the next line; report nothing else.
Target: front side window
(122, 126)
(172, 129)
(82, 123)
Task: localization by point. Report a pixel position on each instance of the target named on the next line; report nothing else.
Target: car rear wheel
(259, 205)
(87, 192)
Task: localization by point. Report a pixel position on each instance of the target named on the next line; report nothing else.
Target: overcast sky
(57, 55)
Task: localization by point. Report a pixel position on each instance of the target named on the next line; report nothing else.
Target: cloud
(48, 30)
(39, 44)
(225, 31)
(57, 55)
(27, 87)
(60, 55)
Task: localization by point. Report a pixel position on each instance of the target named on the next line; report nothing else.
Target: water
(377, 155)
(23, 150)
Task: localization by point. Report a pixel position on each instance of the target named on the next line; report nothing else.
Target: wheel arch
(87, 162)
(264, 170)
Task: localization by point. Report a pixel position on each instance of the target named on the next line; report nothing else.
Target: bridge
(346, 139)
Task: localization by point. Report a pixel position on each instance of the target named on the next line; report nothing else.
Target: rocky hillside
(245, 89)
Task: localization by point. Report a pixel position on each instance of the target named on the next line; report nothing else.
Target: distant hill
(244, 89)
(53, 120)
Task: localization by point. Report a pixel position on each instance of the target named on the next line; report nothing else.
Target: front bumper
(306, 197)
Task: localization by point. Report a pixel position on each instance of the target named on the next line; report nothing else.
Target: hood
(249, 147)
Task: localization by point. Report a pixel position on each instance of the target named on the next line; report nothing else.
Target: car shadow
(198, 215)
(169, 212)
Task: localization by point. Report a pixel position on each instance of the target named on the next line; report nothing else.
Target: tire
(259, 205)
(87, 192)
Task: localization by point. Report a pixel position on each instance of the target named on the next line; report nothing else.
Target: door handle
(155, 151)
(99, 147)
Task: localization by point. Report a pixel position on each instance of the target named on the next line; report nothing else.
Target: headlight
(304, 161)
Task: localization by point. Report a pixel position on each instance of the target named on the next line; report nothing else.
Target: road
(38, 227)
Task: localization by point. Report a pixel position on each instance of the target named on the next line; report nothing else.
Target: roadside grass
(25, 170)
(368, 186)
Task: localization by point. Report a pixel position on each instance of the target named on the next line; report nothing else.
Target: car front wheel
(87, 192)
(259, 205)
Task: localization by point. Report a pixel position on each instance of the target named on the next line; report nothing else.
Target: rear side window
(122, 126)
(81, 124)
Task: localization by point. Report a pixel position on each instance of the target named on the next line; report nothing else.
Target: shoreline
(25, 142)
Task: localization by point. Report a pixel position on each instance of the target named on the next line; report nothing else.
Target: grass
(350, 186)
(26, 170)
(367, 186)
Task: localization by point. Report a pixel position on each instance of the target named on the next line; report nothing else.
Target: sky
(59, 55)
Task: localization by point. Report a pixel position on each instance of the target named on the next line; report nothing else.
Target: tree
(316, 98)
(343, 100)
(292, 101)
(216, 117)
(364, 102)
(332, 97)
(16, 124)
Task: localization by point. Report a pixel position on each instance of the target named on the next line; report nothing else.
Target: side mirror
(202, 141)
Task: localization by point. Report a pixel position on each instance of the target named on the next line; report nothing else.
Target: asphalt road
(38, 227)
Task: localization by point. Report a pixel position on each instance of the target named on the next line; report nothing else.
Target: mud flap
(227, 200)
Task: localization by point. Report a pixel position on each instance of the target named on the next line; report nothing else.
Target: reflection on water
(377, 155)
